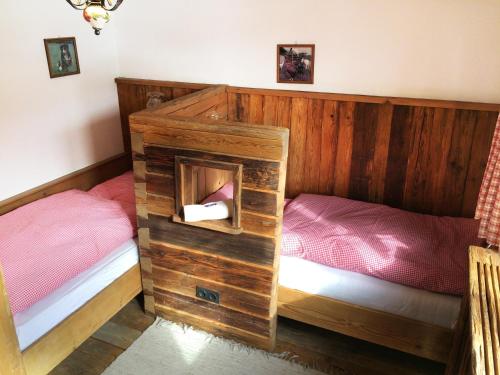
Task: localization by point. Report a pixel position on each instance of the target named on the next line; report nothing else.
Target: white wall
(49, 128)
(445, 49)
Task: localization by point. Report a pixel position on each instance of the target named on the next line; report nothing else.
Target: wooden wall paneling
(433, 103)
(421, 158)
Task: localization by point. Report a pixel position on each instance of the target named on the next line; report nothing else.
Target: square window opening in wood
(208, 194)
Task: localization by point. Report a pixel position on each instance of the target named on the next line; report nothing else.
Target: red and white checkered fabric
(421, 251)
(50, 241)
(488, 206)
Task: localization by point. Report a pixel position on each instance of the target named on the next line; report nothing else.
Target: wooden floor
(324, 350)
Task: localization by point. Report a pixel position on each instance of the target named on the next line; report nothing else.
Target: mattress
(369, 292)
(40, 318)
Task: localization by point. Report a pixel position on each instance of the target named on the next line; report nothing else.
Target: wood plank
(212, 311)
(417, 102)
(257, 174)
(390, 330)
(83, 179)
(312, 169)
(12, 360)
(117, 335)
(256, 110)
(160, 185)
(259, 224)
(133, 316)
(214, 327)
(344, 149)
(416, 180)
(328, 147)
(264, 202)
(235, 246)
(440, 141)
(381, 153)
(363, 150)
(270, 109)
(56, 345)
(402, 127)
(270, 149)
(216, 268)
(296, 162)
(233, 298)
(458, 161)
(160, 205)
(210, 95)
(200, 106)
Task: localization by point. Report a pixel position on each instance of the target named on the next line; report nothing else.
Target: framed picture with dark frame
(295, 63)
(62, 57)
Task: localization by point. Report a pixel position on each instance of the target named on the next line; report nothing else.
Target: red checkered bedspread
(421, 251)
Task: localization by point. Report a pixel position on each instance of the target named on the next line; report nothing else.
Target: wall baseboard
(83, 179)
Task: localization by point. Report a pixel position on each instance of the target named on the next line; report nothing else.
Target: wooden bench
(477, 342)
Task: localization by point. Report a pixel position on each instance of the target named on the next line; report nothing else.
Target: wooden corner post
(11, 360)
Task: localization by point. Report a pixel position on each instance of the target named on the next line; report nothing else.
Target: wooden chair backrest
(484, 293)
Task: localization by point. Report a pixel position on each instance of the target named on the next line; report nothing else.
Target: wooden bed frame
(47, 352)
(213, 105)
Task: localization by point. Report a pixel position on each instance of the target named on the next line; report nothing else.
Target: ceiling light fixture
(96, 12)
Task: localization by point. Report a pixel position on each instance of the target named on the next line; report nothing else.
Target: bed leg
(11, 362)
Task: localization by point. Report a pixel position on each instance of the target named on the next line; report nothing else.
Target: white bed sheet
(36, 321)
(368, 291)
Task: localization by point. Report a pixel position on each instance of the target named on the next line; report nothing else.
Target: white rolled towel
(209, 211)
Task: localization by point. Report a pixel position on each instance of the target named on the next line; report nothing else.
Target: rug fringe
(236, 346)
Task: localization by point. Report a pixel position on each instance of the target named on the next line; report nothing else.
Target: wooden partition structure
(420, 155)
(236, 261)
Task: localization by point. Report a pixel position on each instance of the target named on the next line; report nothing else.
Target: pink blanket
(121, 190)
(421, 251)
(50, 241)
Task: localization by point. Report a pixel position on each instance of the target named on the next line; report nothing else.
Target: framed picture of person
(62, 57)
(295, 63)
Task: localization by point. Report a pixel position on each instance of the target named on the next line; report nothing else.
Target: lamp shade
(96, 12)
(97, 16)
